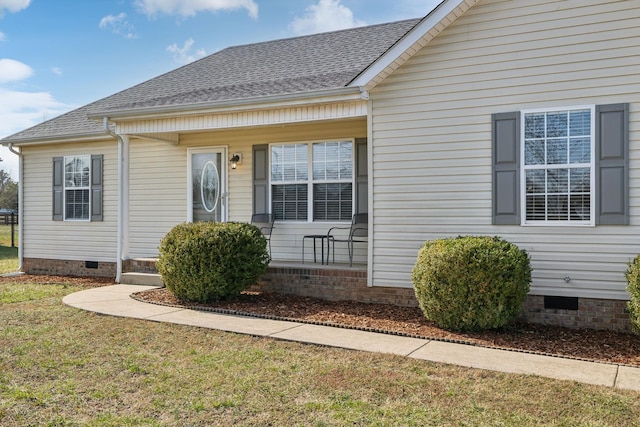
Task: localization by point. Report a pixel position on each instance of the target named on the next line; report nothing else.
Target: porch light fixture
(235, 160)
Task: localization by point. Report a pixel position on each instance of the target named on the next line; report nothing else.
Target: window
(561, 166)
(77, 188)
(558, 166)
(77, 173)
(312, 181)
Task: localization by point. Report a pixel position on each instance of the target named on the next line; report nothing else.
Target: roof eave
(342, 94)
(431, 25)
(97, 136)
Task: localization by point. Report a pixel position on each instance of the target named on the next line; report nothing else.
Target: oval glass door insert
(210, 186)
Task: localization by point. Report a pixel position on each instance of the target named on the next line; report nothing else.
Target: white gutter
(20, 206)
(123, 161)
(264, 102)
(59, 139)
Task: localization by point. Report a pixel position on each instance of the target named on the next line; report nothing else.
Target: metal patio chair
(358, 232)
(265, 222)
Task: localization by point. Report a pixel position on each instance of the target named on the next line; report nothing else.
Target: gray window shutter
(506, 168)
(261, 179)
(362, 200)
(612, 164)
(96, 188)
(58, 188)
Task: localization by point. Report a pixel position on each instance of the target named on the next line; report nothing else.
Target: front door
(208, 185)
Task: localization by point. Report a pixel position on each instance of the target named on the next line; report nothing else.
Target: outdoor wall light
(235, 160)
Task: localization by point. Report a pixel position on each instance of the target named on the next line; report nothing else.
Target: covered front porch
(164, 183)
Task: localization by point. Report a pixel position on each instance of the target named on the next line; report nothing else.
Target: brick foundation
(56, 267)
(332, 284)
(140, 265)
(591, 314)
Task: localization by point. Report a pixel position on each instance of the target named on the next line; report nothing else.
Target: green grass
(8, 255)
(5, 235)
(60, 366)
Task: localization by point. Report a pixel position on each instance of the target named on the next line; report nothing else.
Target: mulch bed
(586, 344)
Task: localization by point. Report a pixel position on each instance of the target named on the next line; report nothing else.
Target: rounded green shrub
(633, 287)
(206, 261)
(471, 283)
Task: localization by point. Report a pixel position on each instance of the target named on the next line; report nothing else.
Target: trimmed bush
(206, 261)
(471, 283)
(633, 287)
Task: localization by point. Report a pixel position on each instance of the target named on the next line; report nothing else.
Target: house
(515, 118)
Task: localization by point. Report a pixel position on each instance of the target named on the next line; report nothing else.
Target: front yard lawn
(60, 366)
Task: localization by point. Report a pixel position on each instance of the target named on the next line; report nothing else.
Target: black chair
(265, 222)
(358, 232)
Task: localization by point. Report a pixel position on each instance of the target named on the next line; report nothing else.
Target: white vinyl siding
(431, 130)
(68, 240)
(157, 194)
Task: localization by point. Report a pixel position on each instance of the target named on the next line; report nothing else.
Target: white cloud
(327, 15)
(11, 71)
(21, 110)
(13, 5)
(191, 7)
(183, 55)
(118, 24)
(57, 71)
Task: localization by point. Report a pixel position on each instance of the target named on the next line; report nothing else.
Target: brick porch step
(146, 279)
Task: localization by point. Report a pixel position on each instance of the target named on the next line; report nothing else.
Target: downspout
(370, 191)
(120, 222)
(20, 206)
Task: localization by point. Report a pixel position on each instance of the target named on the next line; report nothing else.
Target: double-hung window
(558, 167)
(561, 166)
(77, 188)
(312, 181)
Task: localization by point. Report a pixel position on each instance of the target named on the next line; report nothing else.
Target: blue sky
(57, 55)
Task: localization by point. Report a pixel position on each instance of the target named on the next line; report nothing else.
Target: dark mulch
(598, 345)
(57, 280)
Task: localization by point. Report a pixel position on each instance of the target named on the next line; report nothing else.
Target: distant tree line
(8, 192)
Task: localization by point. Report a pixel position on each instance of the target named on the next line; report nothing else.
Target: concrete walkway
(116, 301)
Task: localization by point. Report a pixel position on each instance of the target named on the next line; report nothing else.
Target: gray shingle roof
(279, 67)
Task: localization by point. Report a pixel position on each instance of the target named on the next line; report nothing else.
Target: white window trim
(65, 189)
(310, 181)
(523, 183)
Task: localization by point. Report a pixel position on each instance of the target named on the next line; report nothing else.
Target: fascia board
(58, 139)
